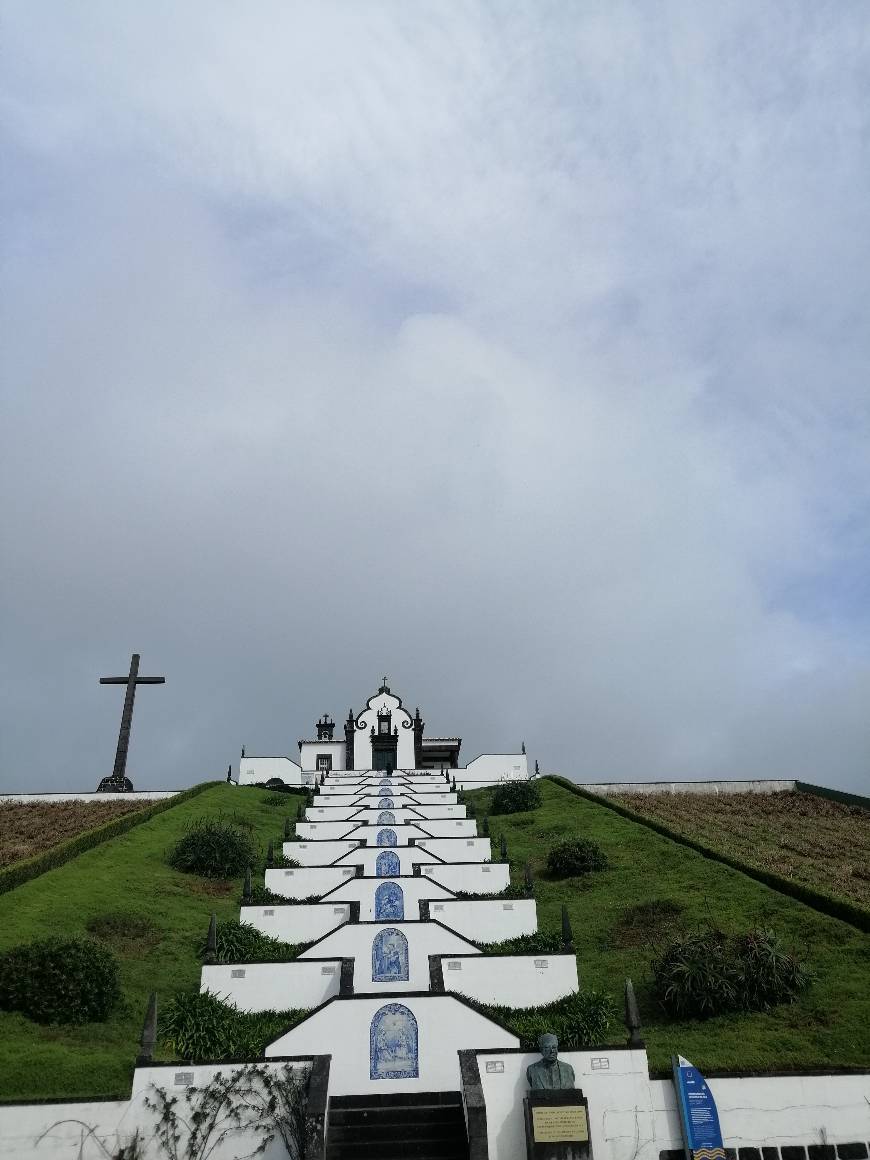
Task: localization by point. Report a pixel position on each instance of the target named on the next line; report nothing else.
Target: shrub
(513, 796)
(541, 942)
(59, 980)
(576, 856)
(580, 1020)
(200, 1027)
(214, 848)
(712, 973)
(239, 942)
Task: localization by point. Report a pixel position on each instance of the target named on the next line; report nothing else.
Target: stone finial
(270, 854)
(632, 1016)
(211, 940)
(567, 932)
(300, 812)
(524, 747)
(230, 772)
(528, 879)
(453, 784)
(148, 1039)
(484, 828)
(243, 751)
(503, 848)
(537, 769)
(247, 892)
(287, 830)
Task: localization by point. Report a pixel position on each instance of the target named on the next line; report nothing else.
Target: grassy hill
(126, 875)
(656, 884)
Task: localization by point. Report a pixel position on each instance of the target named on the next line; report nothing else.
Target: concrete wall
(367, 856)
(487, 921)
(296, 924)
(634, 1118)
(470, 877)
(143, 796)
(273, 986)
(759, 785)
(444, 1025)
(310, 750)
(308, 881)
(457, 849)
(511, 980)
(362, 890)
(253, 769)
(355, 940)
(313, 853)
(495, 767)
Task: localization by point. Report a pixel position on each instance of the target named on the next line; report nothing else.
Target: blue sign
(698, 1114)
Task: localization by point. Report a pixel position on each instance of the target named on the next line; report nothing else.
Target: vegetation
(543, 942)
(59, 980)
(810, 840)
(584, 1019)
(656, 888)
(712, 973)
(215, 848)
(28, 828)
(576, 856)
(200, 1027)
(130, 874)
(239, 942)
(512, 797)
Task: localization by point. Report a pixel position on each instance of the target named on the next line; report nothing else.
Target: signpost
(702, 1135)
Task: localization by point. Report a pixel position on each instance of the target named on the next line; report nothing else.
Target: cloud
(517, 354)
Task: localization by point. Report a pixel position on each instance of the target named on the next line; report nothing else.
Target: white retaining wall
(511, 980)
(445, 1027)
(273, 986)
(296, 924)
(457, 849)
(313, 853)
(634, 1118)
(488, 921)
(362, 890)
(494, 767)
(308, 881)
(252, 769)
(470, 877)
(143, 795)
(367, 856)
(757, 785)
(355, 941)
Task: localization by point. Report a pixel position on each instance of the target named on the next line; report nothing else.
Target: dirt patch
(646, 923)
(28, 828)
(126, 932)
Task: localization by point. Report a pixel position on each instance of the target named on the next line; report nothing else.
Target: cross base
(115, 785)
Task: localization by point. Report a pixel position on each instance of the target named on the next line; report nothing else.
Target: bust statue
(549, 1073)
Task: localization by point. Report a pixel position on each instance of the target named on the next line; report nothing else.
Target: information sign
(698, 1114)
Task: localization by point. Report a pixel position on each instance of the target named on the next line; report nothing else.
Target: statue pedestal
(557, 1125)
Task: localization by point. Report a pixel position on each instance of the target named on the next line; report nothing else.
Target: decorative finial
(230, 772)
(524, 747)
(243, 751)
(148, 1039)
(503, 848)
(567, 932)
(247, 892)
(270, 854)
(529, 880)
(537, 771)
(287, 830)
(632, 1016)
(211, 940)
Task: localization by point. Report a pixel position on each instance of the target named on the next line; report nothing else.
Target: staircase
(408, 1126)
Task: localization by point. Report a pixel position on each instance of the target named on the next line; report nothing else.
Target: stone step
(403, 1126)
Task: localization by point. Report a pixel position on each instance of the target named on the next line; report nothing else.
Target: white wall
(307, 881)
(362, 742)
(756, 785)
(273, 986)
(324, 831)
(457, 849)
(369, 834)
(445, 1027)
(253, 769)
(143, 796)
(312, 853)
(309, 751)
(355, 941)
(511, 980)
(362, 890)
(296, 924)
(471, 877)
(634, 1118)
(451, 828)
(495, 767)
(488, 921)
(367, 856)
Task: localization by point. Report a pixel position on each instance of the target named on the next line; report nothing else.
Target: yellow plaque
(560, 1123)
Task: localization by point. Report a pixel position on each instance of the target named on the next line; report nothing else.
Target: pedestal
(557, 1125)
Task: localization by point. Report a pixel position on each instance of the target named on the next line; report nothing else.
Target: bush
(511, 797)
(576, 856)
(541, 942)
(713, 973)
(214, 848)
(239, 942)
(59, 980)
(200, 1027)
(580, 1020)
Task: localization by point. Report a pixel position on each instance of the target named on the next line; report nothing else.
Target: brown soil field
(811, 840)
(28, 828)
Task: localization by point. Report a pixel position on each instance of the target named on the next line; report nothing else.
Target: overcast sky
(516, 351)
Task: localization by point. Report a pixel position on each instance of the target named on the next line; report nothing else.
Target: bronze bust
(549, 1073)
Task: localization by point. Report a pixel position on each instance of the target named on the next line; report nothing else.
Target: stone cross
(119, 780)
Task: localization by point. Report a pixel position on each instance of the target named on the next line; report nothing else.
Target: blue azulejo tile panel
(389, 957)
(389, 902)
(393, 1044)
(388, 865)
(386, 838)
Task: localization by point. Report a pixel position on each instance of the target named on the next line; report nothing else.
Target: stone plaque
(268, 914)
(239, 973)
(495, 1066)
(560, 1123)
(454, 966)
(183, 1078)
(327, 970)
(338, 910)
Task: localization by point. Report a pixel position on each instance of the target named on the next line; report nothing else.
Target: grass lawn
(128, 873)
(826, 1028)
(820, 843)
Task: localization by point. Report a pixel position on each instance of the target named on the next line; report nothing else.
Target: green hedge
(20, 872)
(825, 903)
(834, 795)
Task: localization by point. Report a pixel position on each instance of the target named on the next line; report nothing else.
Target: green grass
(826, 1028)
(126, 874)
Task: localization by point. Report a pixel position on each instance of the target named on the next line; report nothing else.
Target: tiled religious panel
(393, 1047)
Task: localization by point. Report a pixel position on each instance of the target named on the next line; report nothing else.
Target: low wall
(457, 849)
(486, 921)
(470, 877)
(139, 795)
(308, 881)
(364, 890)
(367, 857)
(255, 769)
(755, 785)
(296, 924)
(314, 853)
(273, 986)
(511, 980)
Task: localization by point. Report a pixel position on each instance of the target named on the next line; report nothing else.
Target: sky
(517, 351)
